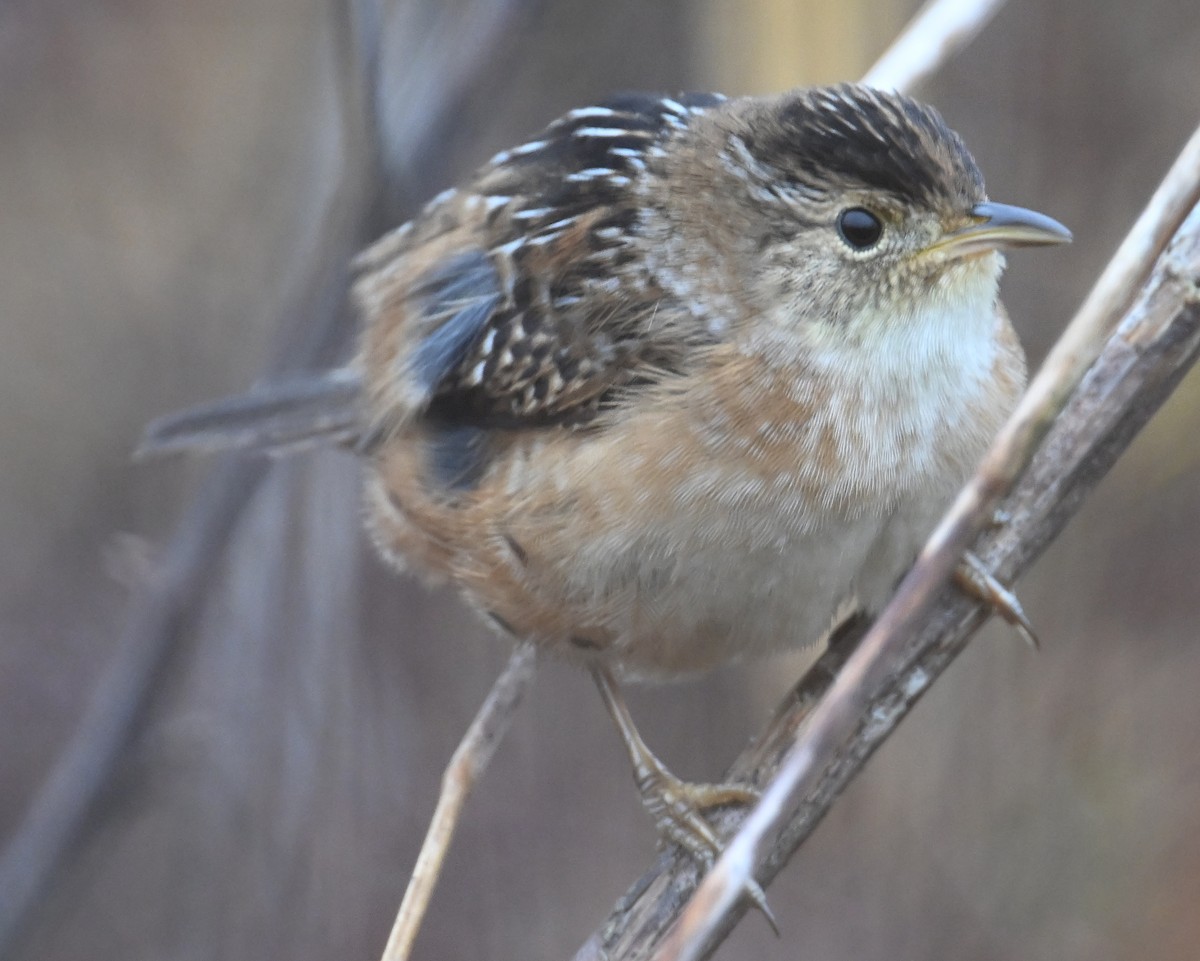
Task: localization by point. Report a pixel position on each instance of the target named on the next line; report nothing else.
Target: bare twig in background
(870, 691)
(314, 327)
(161, 609)
(938, 31)
(63, 802)
(466, 766)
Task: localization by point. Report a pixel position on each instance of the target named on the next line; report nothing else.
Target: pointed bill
(998, 226)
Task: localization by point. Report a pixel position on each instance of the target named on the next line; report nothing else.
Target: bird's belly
(661, 593)
(732, 596)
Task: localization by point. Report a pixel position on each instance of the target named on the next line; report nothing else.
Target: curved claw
(758, 897)
(978, 582)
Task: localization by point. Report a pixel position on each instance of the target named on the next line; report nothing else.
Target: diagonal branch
(852, 699)
(888, 671)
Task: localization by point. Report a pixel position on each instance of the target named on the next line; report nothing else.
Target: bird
(682, 380)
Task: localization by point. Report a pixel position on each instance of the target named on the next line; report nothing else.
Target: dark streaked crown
(848, 135)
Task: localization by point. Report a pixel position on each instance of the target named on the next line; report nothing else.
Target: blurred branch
(462, 42)
(314, 325)
(63, 802)
(160, 610)
(410, 103)
(1084, 407)
(938, 31)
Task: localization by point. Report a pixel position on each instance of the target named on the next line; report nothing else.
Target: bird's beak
(997, 226)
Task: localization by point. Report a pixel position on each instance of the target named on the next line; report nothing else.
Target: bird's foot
(676, 805)
(978, 582)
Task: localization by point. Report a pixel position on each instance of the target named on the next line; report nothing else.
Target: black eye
(859, 227)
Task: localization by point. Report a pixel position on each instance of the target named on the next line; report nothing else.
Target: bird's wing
(531, 309)
(508, 303)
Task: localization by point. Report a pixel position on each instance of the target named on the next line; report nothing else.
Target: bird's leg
(675, 805)
(977, 581)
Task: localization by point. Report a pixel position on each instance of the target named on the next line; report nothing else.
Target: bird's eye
(860, 228)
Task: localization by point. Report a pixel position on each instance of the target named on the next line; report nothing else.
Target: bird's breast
(733, 515)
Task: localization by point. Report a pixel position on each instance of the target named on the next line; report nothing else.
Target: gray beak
(999, 226)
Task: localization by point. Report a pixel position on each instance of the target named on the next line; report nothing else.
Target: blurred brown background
(180, 185)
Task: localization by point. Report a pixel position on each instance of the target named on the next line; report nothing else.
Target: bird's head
(839, 210)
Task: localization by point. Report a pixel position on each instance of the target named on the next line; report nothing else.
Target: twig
(1145, 357)
(938, 31)
(467, 765)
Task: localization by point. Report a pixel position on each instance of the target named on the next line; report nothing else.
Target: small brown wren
(680, 381)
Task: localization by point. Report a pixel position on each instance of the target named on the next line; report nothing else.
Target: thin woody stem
(935, 34)
(466, 766)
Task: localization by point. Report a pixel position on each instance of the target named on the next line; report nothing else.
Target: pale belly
(590, 571)
(685, 601)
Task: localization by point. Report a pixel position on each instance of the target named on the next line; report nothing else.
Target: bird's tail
(281, 416)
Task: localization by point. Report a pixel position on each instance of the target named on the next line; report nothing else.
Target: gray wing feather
(458, 299)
